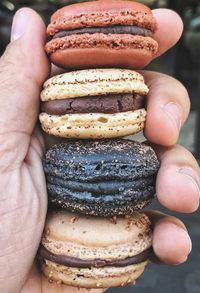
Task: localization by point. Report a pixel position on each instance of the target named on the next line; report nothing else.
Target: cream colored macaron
(94, 103)
(89, 252)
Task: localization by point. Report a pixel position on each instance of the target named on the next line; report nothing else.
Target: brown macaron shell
(87, 239)
(101, 57)
(100, 49)
(101, 13)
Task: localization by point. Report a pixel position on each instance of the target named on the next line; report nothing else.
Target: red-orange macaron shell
(81, 48)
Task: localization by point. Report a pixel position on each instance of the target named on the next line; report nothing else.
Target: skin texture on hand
(23, 198)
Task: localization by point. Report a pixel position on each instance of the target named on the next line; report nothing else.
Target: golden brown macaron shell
(87, 50)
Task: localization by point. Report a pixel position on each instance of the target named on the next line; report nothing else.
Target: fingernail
(186, 235)
(184, 238)
(191, 174)
(19, 25)
(174, 112)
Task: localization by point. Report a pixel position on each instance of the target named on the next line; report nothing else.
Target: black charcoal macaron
(101, 178)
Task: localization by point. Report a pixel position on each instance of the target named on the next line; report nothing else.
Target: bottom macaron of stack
(88, 252)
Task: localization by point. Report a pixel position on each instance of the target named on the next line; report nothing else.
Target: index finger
(170, 29)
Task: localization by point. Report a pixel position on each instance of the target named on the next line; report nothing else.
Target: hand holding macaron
(24, 67)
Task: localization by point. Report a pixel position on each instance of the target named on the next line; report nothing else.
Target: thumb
(23, 69)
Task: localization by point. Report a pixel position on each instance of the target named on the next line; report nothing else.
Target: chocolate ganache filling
(74, 262)
(114, 103)
(118, 29)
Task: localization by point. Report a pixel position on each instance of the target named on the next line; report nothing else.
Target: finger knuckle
(179, 91)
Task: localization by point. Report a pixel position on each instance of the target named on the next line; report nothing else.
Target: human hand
(23, 69)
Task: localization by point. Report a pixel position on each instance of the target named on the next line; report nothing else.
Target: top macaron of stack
(102, 34)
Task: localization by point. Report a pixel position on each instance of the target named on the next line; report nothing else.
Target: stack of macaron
(97, 181)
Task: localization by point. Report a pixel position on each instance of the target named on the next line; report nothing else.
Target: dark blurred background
(182, 62)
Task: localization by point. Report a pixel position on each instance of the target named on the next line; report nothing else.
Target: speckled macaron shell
(86, 83)
(100, 49)
(101, 177)
(94, 125)
(95, 238)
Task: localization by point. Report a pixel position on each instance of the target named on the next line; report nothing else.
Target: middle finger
(168, 107)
